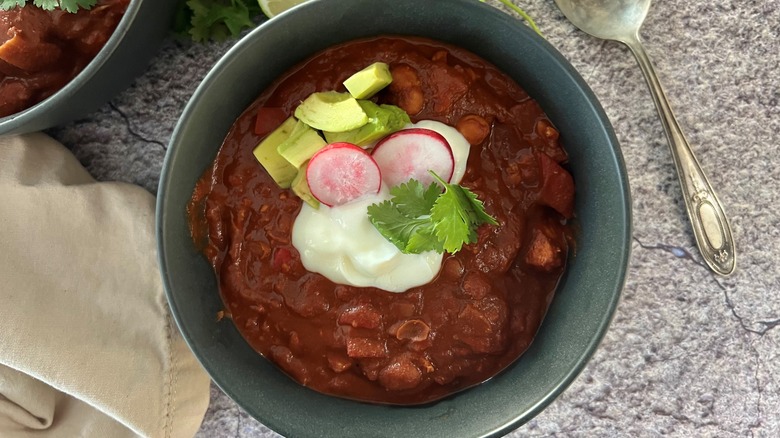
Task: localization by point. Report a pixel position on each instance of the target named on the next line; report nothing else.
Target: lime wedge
(272, 8)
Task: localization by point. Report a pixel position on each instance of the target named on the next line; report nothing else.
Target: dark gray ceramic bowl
(579, 314)
(125, 55)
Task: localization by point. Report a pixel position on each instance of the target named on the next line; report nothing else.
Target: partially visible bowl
(587, 295)
(124, 56)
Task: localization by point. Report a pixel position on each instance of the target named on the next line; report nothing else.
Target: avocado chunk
(266, 153)
(300, 186)
(331, 111)
(369, 81)
(302, 143)
(382, 120)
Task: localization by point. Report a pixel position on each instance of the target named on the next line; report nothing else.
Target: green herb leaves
(217, 20)
(419, 219)
(48, 5)
(405, 219)
(6, 5)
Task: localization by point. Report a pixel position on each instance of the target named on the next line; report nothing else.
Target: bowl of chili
(226, 106)
(56, 66)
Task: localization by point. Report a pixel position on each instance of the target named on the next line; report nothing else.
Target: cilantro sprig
(201, 20)
(48, 5)
(217, 20)
(418, 219)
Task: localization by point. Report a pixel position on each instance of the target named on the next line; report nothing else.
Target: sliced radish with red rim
(411, 153)
(342, 172)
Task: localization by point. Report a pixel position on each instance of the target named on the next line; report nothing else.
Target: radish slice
(411, 153)
(342, 172)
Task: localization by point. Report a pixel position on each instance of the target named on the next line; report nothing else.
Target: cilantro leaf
(6, 5)
(425, 239)
(413, 199)
(457, 214)
(216, 20)
(49, 5)
(419, 219)
(395, 226)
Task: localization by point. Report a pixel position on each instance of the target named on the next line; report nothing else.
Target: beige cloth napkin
(88, 347)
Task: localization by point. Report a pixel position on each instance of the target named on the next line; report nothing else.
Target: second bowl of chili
(56, 66)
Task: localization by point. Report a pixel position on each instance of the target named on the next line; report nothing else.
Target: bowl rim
(624, 251)
(18, 119)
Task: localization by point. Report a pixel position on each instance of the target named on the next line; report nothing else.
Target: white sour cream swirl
(341, 243)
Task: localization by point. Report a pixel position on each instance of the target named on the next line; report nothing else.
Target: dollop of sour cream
(341, 243)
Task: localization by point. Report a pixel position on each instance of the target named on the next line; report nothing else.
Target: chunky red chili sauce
(41, 51)
(483, 309)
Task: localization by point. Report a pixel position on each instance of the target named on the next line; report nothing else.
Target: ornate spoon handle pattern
(710, 225)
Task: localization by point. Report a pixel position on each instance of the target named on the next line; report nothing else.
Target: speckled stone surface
(688, 353)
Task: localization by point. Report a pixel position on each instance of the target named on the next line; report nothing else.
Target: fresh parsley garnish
(48, 5)
(217, 20)
(418, 219)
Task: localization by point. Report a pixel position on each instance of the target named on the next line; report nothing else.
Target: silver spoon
(620, 20)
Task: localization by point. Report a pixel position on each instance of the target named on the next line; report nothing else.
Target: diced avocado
(301, 187)
(266, 153)
(382, 120)
(369, 81)
(302, 143)
(331, 111)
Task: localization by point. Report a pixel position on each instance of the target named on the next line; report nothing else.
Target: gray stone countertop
(688, 353)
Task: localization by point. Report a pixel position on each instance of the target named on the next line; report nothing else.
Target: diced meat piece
(400, 374)
(88, 31)
(289, 363)
(476, 285)
(472, 321)
(499, 252)
(523, 116)
(474, 128)
(370, 367)
(364, 347)
(13, 96)
(557, 189)
(523, 170)
(29, 54)
(338, 363)
(361, 316)
(448, 84)
(482, 325)
(543, 253)
(549, 135)
(495, 310)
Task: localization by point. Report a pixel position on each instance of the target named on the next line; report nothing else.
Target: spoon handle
(710, 225)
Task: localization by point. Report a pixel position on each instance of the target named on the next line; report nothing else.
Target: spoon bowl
(620, 20)
(606, 19)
